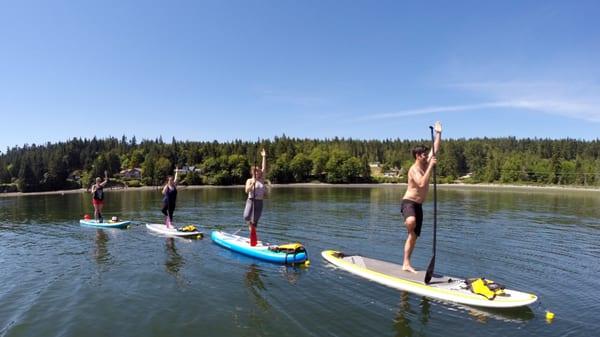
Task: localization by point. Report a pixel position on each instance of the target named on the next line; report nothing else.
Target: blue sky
(224, 70)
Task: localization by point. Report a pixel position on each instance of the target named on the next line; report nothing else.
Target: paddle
(254, 184)
(253, 239)
(429, 273)
(251, 168)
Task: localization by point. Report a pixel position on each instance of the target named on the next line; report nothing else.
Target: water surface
(60, 279)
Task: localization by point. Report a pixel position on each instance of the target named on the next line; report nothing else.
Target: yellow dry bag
(486, 288)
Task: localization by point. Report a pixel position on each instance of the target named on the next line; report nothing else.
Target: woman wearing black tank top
(169, 198)
(98, 196)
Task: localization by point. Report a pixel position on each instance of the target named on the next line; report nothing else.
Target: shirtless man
(418, 186)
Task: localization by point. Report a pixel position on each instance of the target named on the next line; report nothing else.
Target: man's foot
(409, 268)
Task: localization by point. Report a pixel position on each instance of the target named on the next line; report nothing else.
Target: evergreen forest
(75, 163)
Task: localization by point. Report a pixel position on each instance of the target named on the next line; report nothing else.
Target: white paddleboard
(162, 229)
(443, 288)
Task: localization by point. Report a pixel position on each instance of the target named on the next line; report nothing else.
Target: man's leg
(409, 245)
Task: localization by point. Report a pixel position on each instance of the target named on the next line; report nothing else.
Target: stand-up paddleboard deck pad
(162, 229)
(261, 251)
(105, 224)
(444, 288)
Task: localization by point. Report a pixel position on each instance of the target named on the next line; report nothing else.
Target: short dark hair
(418, 150)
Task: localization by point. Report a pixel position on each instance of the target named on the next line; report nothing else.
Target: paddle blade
(429, 273)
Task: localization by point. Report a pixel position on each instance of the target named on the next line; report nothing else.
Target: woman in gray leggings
(256, 189)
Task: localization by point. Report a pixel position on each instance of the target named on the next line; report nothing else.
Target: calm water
(60, 279)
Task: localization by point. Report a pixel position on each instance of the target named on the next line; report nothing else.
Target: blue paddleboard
(262, 251)
(105, 224)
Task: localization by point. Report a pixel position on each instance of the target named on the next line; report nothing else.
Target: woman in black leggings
(169, 198)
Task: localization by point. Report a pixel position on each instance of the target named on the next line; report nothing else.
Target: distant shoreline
(449, 186)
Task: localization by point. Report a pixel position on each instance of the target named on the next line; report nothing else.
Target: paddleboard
(106, 224)
(162, 229)
(261, 251)
(445, 288)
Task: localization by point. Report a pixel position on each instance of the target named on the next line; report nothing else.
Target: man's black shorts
(411, 208)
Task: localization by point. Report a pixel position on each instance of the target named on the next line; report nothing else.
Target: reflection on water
(255, 285)
(407, 319)
(402, 321)
(514, 315)
(291, 273)
(482, 201)
(101, 253)
(174, 261)
(425, 309)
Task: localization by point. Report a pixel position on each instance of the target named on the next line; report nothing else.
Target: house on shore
(75, 175)
(393, 172)
(377, 170)
(134, 173)
(187, 169)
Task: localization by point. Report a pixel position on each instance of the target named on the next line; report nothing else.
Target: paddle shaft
(434, 198)
(430, 268)
(254, 186)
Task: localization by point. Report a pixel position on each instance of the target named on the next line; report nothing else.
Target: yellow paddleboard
(443, 288)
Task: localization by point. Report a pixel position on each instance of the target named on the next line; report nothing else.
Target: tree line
(75, 163)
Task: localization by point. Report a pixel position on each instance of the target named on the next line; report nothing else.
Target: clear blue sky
(224, 70)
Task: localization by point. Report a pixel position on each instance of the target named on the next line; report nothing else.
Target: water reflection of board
(441, 287)
(162, 229)
(106, 224)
